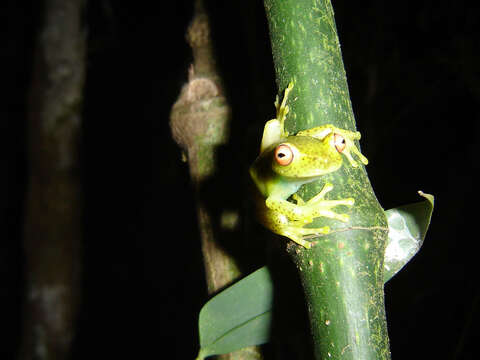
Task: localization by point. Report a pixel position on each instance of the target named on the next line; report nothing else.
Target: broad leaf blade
(407, 226)
(237, 317)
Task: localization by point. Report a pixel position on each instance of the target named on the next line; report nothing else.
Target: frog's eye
(339, 142)
(283, 155)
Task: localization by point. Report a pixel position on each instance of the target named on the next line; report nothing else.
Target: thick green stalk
(342, 274)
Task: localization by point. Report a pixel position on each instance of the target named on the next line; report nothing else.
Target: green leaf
(407, 227)
(237, 317)
(240, 316)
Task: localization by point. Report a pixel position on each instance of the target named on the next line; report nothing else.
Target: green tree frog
(287, 162)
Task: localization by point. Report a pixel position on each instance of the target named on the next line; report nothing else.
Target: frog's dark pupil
(280, 155)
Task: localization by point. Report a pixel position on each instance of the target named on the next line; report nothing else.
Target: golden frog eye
(283, 155)
(339, 142)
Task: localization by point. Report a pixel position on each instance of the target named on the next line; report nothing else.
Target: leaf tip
(429, 197)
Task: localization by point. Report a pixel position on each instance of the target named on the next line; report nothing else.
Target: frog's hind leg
(297, 234)
(297, 238)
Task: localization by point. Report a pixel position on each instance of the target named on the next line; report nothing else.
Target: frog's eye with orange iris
(339, 142)
(283, 155)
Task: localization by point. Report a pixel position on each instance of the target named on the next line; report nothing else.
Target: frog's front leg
(274, 129)
(315, 207)
(319, 207)
(295, 216)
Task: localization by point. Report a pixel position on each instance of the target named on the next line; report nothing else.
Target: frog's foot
(321, 207)
(306, 213)
(318, 206)
(303, 213)
(283, 109)
(299, 240)
(297, 234)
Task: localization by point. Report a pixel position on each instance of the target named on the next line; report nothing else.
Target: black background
(412, 68)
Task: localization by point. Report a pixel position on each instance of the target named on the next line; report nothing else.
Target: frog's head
(307, 157)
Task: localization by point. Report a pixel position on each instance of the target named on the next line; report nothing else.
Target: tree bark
(200, 124)
(53, 209)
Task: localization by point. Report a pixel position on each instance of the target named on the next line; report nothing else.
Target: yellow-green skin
(314, 155)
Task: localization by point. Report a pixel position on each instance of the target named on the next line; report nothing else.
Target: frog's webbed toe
(298, 239)
(297, 234)
(317, 207)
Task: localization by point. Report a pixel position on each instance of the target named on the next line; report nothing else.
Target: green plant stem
(342, 275)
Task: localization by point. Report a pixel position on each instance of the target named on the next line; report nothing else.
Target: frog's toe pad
(297, 239)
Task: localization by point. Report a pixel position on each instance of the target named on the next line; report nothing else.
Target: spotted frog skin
(287, 162)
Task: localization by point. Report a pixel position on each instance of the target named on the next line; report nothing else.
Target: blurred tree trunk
(53, 203)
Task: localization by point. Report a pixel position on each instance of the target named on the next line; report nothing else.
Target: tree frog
(287, 162)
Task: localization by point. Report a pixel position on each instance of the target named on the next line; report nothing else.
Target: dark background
(413, 73)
